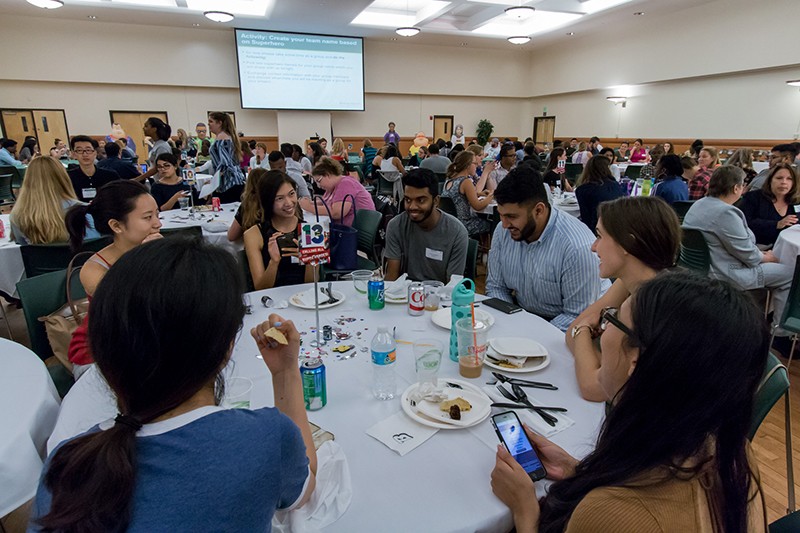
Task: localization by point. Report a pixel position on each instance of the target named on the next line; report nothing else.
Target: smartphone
(511, 433)
(562, 163)
(502, 305)
(287, 240)
(143, 167)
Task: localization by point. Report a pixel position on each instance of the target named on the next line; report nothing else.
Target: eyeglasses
(318, 179)
(85, 151)
(163, 167)
(609, 315)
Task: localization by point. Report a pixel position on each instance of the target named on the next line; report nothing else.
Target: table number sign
(314, 240)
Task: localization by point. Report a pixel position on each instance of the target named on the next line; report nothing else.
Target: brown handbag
(62, 323)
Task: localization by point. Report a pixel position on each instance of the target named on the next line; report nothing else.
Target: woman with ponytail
(172, 459)
(226, 156)
(672, 454)
(125, 210)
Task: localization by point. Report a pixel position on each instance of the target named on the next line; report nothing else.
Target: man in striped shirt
(540, 256)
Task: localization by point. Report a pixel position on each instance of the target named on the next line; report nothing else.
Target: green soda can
(315, 393)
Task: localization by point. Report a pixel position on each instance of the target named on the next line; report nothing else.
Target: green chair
(17, 175)
(471, 267)
(446, 205)
(633, 171)
(41, 259)
(694, 253)
(788, 524)
(774, 385)
(366, 223)
(572, 172)
(6, 192)
(360, 173)
(385, 187)
(40, 296)
(188, 231)
(681, 208)
(244, 266)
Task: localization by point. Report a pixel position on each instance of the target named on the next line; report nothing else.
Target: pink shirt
(350, 185)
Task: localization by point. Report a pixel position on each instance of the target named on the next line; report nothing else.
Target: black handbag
(343, 241)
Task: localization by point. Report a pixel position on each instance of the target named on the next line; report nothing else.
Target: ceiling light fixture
(47, 4)
(218, 16)
(571, 33)
(520, 12)
(639, 13)
(618, 100)
(407, 31)
(519, 39)
(793, 83)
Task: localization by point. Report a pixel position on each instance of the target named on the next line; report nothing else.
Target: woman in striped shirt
(226, 155)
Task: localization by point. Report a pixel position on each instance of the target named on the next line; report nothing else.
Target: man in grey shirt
(424, 242)
(434, 161)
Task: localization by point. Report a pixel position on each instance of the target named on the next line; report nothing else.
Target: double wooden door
(46, 125)
(132, 123)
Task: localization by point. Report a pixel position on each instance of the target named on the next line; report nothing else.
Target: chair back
(774, 384)
(360, 172)
(633, 171)
(40, 296)
(790, 321)
(16, 175)
(367, 223)
(471, 266)
(41, 259)
(681, 208)
(188, 231)
(572, 171)
(786, 524)
(385, 187)
(694, 253)
(6, 190)
(244, 268)
(447, 205)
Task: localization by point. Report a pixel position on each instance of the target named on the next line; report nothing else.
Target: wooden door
(18, 124)
(50, 124)
(442, 127)
(544, 128)
(132, 123)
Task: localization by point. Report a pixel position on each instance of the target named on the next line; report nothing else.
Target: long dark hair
(152, 369)
(766, 189)
(597, 170)
(267, 190)
(552, 163)
(163, 130)
(685, 399)
(114, 201)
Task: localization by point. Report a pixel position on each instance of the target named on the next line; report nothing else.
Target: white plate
(297, 302)
(517, 347)
(389, 300)
(532, 364)
(477, 414)
(442, 317)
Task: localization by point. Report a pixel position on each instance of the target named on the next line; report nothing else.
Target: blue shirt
(555, 277)
(6, 159)
(211, 469)
(672, 189)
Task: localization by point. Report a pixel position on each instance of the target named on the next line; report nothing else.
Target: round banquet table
(30, 408)
(443, 485)
(11, 268)
(215, 224)
(787, 247)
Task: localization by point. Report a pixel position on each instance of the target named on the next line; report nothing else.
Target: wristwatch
(577, 329)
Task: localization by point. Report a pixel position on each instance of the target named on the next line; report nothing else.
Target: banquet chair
(390, 184)
(787, 524)
(790, 321)
(6, 193)
(774, 385)
(694, 253)
(471, 266)
(441, 178)
(244, 267)
(681, 208)
(41, 259)
(188, 231)
(446, 204)
(16, 175)
(366, 223)
(572, 172)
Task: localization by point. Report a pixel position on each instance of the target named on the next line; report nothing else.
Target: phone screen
(144, 168)
(513, 436)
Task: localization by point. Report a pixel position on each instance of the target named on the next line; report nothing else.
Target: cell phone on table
(511, 433)
(562, 163)
(502, 305)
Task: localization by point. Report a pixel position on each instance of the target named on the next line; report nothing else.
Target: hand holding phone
(511, 433)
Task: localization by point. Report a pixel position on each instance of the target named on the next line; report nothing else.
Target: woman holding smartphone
(271, 245)
(672, 454)
(555, 175)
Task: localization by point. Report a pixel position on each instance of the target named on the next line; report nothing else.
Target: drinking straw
(474, 334)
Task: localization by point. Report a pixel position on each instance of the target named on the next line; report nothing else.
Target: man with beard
(540, 256)
(424, 242)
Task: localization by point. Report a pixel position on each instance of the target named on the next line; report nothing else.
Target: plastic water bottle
(462, 298)
(384, 353)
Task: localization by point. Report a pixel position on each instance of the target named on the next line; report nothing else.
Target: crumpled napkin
(502, 360)
(398, 288)
(307, 297)
(330, 498)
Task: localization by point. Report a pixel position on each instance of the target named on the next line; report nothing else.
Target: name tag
(436, 255)
(797, 209)
(89, 193)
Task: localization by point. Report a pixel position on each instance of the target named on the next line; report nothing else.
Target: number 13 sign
(315, 241)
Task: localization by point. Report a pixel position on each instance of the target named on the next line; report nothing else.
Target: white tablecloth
(441, 486)
(208, 220)
(787, 247)
(11, 267)
(28, 410)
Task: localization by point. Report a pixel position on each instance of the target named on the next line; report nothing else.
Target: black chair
(471, 266)
(681, 208)
(244, 266)
(6, 189)
(41, 259)
(447, 205)
(573, 172)
(16, 175)
(694, 253)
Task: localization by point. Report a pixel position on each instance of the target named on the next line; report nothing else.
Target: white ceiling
(470, 23)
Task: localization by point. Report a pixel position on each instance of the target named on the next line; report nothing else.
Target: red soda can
(215, 204)
(416, 299)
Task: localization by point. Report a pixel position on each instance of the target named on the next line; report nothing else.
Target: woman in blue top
(226, 155)
(173, 460)
(596, 185)
(671, 187)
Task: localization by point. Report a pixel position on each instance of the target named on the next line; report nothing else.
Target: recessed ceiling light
(520, 39)
(639, 13)
(47, 4)
(464, 44)
(570, 33)
(195, 24)
(218, 16)
(91, 17)
(520, 12)
(394, 38)
(407, 31)
(794, 83)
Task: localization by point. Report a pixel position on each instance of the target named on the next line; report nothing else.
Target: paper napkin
(400, 433)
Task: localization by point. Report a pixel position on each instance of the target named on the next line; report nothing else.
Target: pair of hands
(180, 194)
(276, 252)
(768, 257)
(788, 220)
(514, 487)
(279, 358)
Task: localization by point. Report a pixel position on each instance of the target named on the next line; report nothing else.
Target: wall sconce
(618, 100)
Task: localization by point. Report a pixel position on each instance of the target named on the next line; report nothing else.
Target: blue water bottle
(463, 297)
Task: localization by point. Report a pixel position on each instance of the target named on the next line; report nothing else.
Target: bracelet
(577, 329)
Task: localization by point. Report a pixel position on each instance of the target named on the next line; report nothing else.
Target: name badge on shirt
(436, 255)
(89, 193)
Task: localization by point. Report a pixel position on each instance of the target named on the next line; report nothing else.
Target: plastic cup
(427, 359)
(237, 393)
(473, 342)
(361, 279)
(432, 289)
(184, 202)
